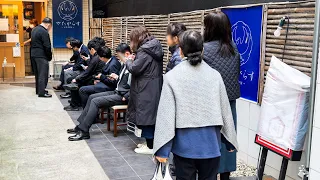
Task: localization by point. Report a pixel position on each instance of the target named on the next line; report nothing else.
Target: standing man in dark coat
(41, 53)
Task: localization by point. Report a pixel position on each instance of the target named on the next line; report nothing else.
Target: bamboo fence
(298, 53)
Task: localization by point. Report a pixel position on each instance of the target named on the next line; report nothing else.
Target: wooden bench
(116, 111)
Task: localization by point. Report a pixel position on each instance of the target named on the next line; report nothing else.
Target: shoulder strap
(152, 54)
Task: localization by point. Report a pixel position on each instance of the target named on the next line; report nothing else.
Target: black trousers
(86, 91)
(187, 169)
(41, 74)
(96, 101)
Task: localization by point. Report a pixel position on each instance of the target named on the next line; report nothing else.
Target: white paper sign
(16, 51)
(4, 24)
(12, 37)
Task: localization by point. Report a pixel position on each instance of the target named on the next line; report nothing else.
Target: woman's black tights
(150, 143)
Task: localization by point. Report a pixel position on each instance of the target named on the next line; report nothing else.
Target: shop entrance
(33, 13)
(14, 21)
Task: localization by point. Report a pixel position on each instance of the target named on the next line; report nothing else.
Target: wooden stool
(116, 110)
(102, 113)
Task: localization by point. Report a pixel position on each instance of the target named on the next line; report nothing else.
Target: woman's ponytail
(194, 58)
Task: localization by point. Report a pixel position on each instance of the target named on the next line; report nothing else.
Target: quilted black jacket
(229, 67)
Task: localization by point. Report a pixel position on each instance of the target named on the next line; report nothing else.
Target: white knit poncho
(192, 97)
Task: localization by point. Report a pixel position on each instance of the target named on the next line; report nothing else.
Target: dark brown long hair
(137, 36)
(218, 28)
(34, 22)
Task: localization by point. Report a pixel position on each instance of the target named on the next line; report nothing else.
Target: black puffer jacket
(229, 67)
(146, 83)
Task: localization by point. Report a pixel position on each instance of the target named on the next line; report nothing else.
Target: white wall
(248, 117)
(315, 155)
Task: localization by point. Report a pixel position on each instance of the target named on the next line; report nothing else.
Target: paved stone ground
(115, 155)
(33, 141)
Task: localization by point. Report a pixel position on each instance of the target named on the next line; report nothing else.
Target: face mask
(31, 26)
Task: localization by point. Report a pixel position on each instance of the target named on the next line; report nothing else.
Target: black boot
(80, 136)
(225, 176)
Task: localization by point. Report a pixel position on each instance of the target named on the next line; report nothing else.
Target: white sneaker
(142, 144)
(143, 150)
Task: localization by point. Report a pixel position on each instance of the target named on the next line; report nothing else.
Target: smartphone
(84, 54)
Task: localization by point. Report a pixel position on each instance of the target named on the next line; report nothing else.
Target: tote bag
(158, 172)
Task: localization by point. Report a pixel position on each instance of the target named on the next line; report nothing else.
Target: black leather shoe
(71, 87)
(45, 95)
(73, 131)
(79, 136)
(58, 88)
(71, 108)
(64, 96)
(45, 91)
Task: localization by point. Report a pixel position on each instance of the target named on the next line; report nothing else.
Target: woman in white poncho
(194, 115)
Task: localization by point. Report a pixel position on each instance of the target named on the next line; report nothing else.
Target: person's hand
(114, 76)
(84, 57)
(74, 80)
(98, 76)
(25, 43)
(85, 67)
(162, 160)
(230, 151)
(131, 57)
(124, 99)
(69, 69)
(96, 82)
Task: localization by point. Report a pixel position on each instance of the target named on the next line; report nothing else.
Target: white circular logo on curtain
(67, 10)
(241, 35)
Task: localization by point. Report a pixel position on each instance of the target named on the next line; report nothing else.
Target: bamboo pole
(289, 57)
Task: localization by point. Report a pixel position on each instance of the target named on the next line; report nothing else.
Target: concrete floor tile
(113, 162)
(120, 172)
(138, 159)
(144, 169)
(106, 154)
(34, 144)
(128, 143)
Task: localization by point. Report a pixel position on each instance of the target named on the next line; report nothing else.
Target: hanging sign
(246, 33)
(67, 21)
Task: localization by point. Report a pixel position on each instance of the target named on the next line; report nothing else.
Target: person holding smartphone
(76, 70)
(107, 99)
(102, 81)
(95, 66)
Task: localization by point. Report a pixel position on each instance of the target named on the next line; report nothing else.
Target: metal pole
(284, 167)
(313, 84)
(262, 163)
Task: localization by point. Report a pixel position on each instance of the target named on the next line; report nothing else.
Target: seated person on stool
(80, 64)
(95, 67)
(104, 100)
(102, 83)
(67, 65)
